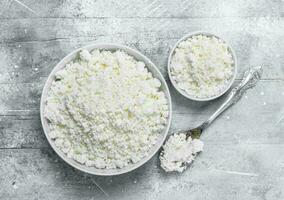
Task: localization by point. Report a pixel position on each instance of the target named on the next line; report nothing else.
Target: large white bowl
(92, 170)
(184, 93)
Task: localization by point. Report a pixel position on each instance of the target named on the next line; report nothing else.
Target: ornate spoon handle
(250, 78)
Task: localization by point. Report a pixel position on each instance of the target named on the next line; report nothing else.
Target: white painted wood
(140, 9)
(39, 173)
(243, 156)
(30, 53)
(252, 120)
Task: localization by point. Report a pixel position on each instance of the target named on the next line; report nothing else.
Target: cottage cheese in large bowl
(105, 111)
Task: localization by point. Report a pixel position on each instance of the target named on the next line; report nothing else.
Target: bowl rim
(150, 66)
(184, 93)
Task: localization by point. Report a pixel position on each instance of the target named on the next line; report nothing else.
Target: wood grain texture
(41, 174)
(22, 128)
(243, 155)
(31, 53)
(141, 9)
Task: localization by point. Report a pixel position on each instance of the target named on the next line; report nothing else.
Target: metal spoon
(250, 78)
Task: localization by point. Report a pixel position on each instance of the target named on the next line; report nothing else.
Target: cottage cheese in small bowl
(106, 111)
(202, 66)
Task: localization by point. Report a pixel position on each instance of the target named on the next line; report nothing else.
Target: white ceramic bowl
(184, 93)
(92, 170)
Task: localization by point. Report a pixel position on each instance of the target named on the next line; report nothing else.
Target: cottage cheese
(179, 151)
(202, 66)
(105, 109)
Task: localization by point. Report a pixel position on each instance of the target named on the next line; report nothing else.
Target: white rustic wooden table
(243, 157)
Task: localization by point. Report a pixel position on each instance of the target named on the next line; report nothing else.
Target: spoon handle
(250, 78)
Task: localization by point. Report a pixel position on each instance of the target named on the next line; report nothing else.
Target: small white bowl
(184, 93)
(92, 170)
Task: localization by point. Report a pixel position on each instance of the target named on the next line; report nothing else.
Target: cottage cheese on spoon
(179, 151)
(105, 109)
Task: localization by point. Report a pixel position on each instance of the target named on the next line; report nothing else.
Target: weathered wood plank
(243, 154)
(255, 119)
(26, 97)
(145, 8)
(26, 132)
(31, 48)
(220, 172)
(21, 132)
